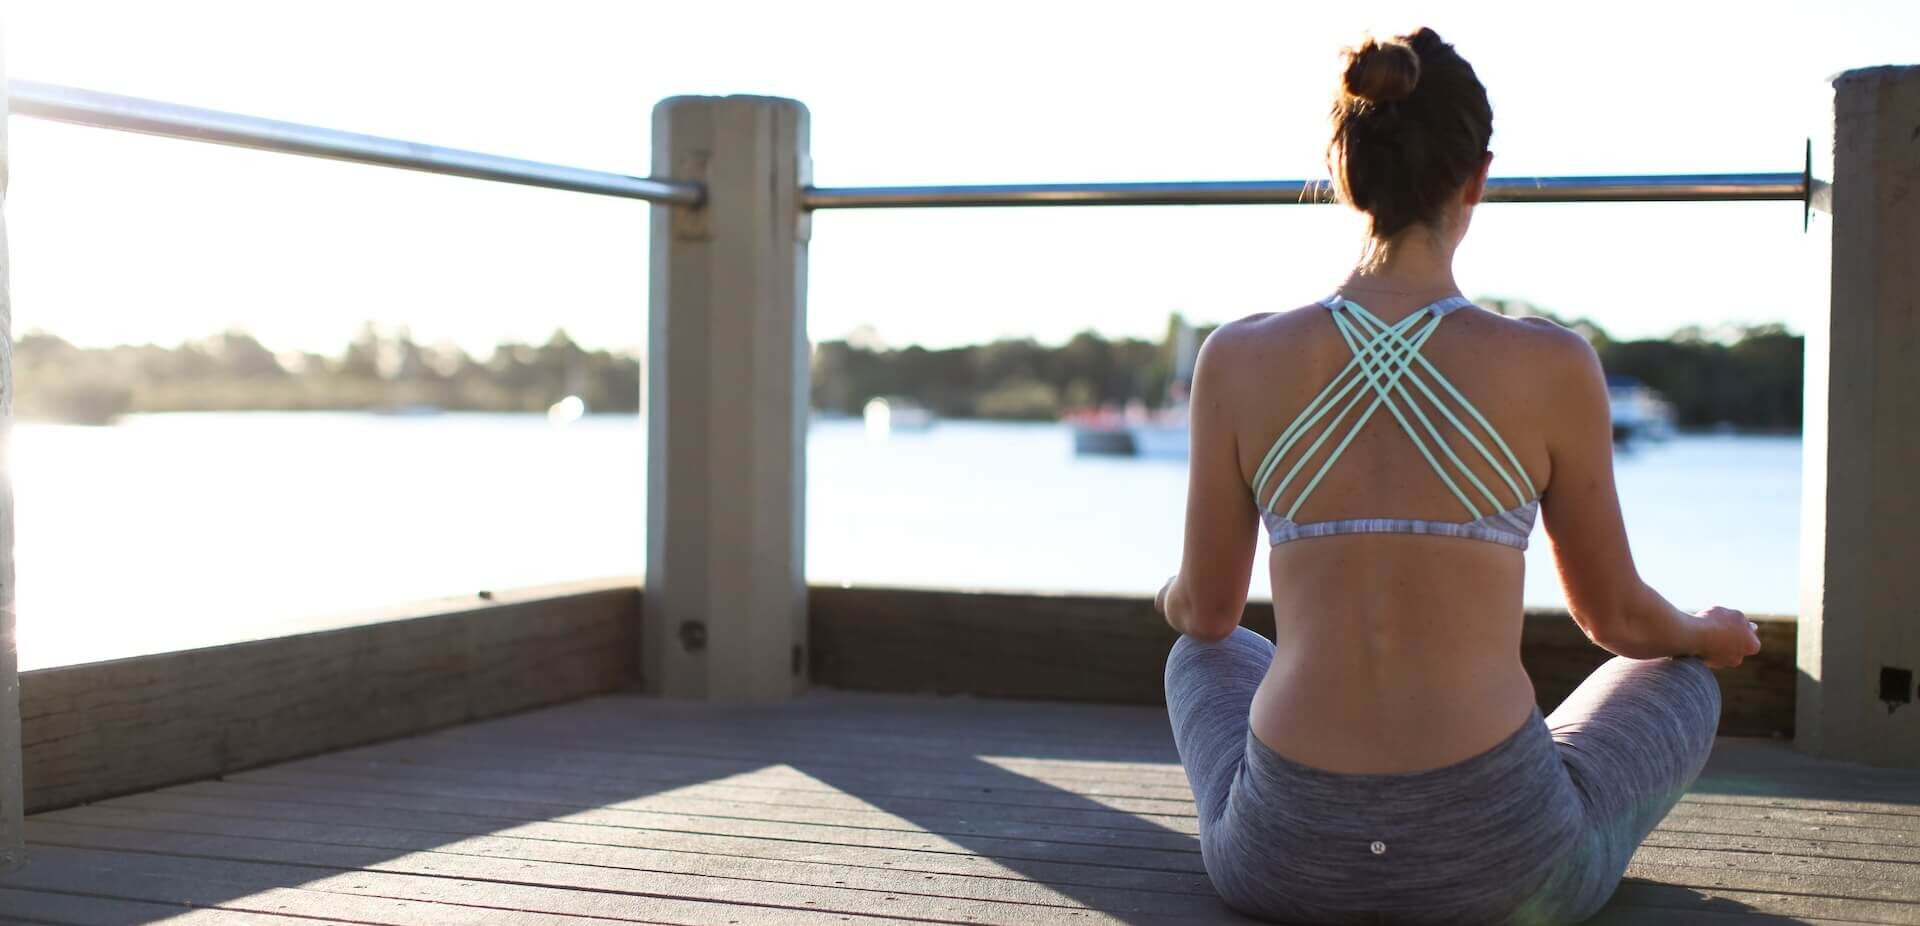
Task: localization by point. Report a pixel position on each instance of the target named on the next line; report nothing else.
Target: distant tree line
(1750, 378)
(1006, 379)
(379, 369)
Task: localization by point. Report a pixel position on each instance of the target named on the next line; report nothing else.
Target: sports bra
(1386, 360)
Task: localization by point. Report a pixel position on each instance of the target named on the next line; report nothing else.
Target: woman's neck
(1414, 264)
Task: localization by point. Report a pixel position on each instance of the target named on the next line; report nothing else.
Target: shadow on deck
(843, 807)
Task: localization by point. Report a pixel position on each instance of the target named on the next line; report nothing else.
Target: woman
(1386, 760)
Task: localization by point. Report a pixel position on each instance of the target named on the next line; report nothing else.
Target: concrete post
(724, 614)
(1859, 649)
(12, 847)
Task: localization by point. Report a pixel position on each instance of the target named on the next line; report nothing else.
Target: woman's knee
(1703, 688)
(1689, 681)
(1684, 677)
(1687, 687)
(1240, 644)
(1241, 649)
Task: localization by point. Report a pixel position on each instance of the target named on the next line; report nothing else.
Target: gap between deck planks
(842, 807)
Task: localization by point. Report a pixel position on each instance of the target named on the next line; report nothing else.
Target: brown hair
(1410, 128)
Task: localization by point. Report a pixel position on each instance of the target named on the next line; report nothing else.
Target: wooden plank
(907, 714)
(800, 737)
(1814, 817)
(108, 728)
(1114, 649)
(39, 907)
(633, 729)
(669, 765)
(768, 783)
(1782, 829)
(725, 799)
(924, 859)
(370, 898)
(1890, 890)
(960, 771)
(999, 847)
(976, 721)
(1810, 866)
(1874, 808)
(939, 821)
(1812, 848)
(1635, 893)
(509, 891)
(387, 844)
(1658, 916)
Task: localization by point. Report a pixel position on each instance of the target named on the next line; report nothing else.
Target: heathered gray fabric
(1509, 528)
(1536, 830)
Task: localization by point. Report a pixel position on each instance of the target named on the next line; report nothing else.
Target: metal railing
(1786, 187)
(153, 117)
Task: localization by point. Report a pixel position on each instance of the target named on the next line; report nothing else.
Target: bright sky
(121, 238)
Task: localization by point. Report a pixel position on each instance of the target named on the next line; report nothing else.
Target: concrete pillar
(724, 613)
(1860, 535)
(12, 850)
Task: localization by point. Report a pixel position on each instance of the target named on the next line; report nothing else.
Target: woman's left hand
(1160, 597)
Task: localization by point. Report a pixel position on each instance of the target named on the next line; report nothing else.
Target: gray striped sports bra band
(1386, 361)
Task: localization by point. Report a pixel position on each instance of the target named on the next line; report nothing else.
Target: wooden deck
(836, 808)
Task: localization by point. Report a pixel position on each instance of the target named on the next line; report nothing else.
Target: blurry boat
(566, 411)
(1133, 432)
(887, 415)
(1136, 431)
(1639, 412)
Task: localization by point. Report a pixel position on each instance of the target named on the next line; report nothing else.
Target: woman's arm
(1610, 602)
(1208, 596)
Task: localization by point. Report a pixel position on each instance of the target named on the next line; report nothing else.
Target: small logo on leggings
(1378, 848)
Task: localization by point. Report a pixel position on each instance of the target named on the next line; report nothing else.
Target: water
(172, 531)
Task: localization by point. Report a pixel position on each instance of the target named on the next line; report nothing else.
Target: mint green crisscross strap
(1378, 352)
(1385, 360)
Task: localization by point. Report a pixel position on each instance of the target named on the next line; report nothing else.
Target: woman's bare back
(1394, 652)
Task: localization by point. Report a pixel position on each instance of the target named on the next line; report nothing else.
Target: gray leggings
(1538, 829)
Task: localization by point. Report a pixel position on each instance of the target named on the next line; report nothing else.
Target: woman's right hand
(1730, 637)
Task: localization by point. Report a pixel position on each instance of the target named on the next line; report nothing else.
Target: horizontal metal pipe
(1786, 187)
(154, 117)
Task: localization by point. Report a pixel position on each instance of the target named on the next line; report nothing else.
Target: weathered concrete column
(12, 849)
(727, 398)
(1860, 535)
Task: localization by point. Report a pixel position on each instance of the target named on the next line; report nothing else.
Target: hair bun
(1381, 72)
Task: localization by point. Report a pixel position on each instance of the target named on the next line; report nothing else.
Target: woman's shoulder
(1255, 355)
(1262, 331)
(1543, 341)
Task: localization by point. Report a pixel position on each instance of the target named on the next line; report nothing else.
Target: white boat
(1137, 432)
(886, 416)
(1638, 412)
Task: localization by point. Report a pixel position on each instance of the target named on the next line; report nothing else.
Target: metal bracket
(803, 225)
(690, 222)
(1819, 195)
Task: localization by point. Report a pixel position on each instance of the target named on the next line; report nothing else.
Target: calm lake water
(172, 531)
